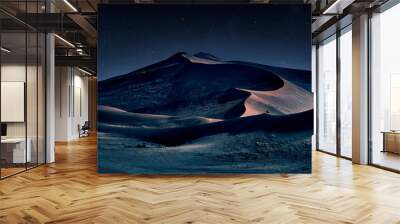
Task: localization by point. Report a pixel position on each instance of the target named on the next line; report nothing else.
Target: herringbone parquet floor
(70, 191)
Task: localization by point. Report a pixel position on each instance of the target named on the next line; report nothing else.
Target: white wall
(71, 102)
(13, 72)
(62, 82)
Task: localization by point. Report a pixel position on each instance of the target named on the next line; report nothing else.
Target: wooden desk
(391, 141)
(14, 150)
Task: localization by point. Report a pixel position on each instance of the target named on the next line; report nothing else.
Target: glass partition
(31, 99)
(14, 153)
(327, 95)
(22, 107)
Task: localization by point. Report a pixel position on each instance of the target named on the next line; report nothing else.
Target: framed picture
(197, 89)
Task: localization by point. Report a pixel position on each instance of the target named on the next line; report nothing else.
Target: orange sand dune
(287, 100)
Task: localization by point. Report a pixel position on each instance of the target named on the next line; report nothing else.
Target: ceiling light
(70, 5)
(84, 71)
(5, 50)
(337, 7)
(64, 40)
(326, 11)
(79, 51)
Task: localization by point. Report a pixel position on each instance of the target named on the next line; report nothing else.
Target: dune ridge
(110, 115)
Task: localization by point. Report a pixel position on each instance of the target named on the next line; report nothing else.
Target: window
(385, 89)
(345, 92)
(334, 95)
(327, 95)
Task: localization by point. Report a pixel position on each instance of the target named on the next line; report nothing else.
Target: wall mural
(189, 89)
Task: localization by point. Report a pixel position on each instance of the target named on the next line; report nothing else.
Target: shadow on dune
(172, 136)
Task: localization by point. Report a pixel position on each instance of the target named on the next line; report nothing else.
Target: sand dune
(184, 85)
(286, 100)
(181, 135)
(187, 97)
(118, 117)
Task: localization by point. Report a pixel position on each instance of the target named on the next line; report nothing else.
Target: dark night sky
(134, 36)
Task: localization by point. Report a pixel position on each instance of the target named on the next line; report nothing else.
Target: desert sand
(192, 112)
